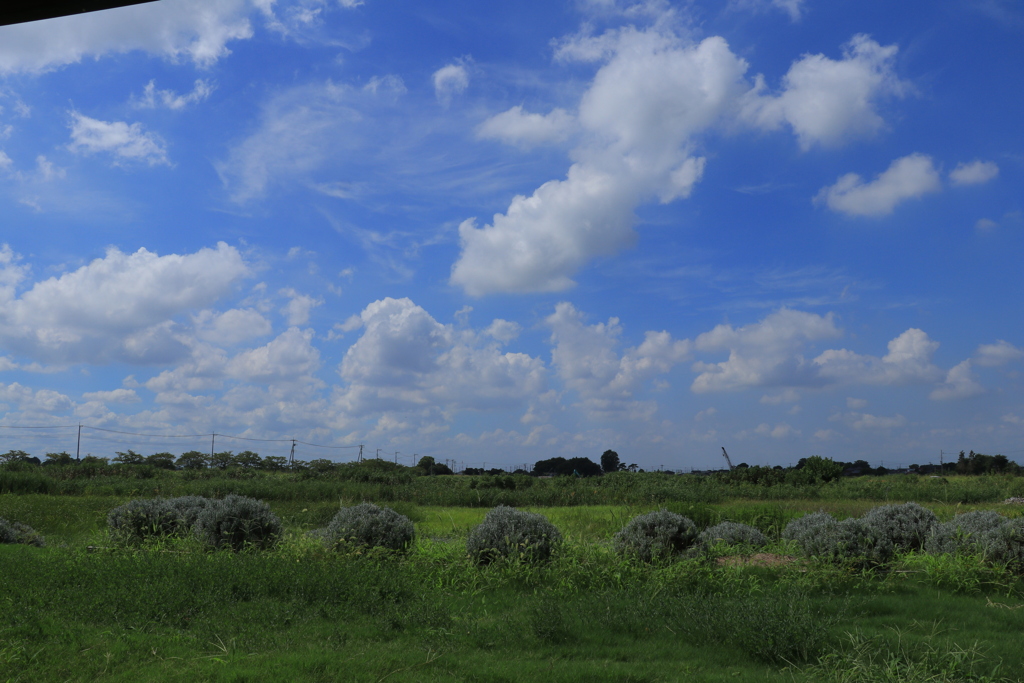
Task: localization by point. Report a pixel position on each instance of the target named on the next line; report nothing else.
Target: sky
(503, 232)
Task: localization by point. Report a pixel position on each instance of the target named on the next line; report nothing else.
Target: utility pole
(378, 454)
(291, 456)
(396, 457)
(360, 452)
(213, 440)
(78, 448)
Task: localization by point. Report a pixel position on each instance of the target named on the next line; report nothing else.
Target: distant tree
(129, 457)
(585, 467)
(91, 459)
(247, 460)
(61, 458)
(321, 465)
(164, 461)
(275, 462)
(610, 462)
(426, 462)
(632, 467)
(192, 460)
(14, 456)
(222, 460)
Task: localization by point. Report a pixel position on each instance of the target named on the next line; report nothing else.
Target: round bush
(140, 519)
(369, 526)
(510, 533)
(16, 532)
(238, 522)
(655, 535)
(188, 509)
(971, 532)
(732, 533)
(821, 535)
(898, 528)
(1010, 547)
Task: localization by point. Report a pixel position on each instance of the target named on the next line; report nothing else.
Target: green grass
(174, 611)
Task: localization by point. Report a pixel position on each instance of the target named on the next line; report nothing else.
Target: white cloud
(503, 330)
(866, 421)
(230, 327)
(855, 403)
(118, 307)
(152, 98)
(787, 396)
(586, 359)
(779, 431)
(1000, 353)
(406, 362)
(449, 81)
(300, 130)
(763, 354)
(289, 357)
(985, 224)
(525, 129)
(127, 142)
(908, 362)
(197, 30)
(828, 102)
(906, 178)
(974, 173)
(5, 161)
(298, 307)
(794, 8)
(115, 396)
(960, 383)
(637, 118)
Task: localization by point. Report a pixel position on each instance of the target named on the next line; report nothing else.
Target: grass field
(174, 611)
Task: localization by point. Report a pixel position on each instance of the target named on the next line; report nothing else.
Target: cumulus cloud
(288, 357)
(1000, 353)
(197, 30)
(829, 102)
(152, 98)
(298, 307)
(126, 142)
(119, 307)
(906, 178)
(588, 362)
(974, 173)
(638, 118)
(407, 362)
(525, 129)
(908, 362)
(960, 383)
(230, 327)
(763, 354)
(449, 81)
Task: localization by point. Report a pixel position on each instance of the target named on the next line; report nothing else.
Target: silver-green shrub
(238, 522)
(369, 526)
(143, 518)
(515, 534)
(972, 532)
(655, 535)
(146, 518)
(982, 532)
(16, 532)
(821, 535)
(732, 533)
(897, 528)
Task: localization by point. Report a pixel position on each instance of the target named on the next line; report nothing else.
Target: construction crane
(727, 460)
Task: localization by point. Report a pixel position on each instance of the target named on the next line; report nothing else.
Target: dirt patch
(757, 560)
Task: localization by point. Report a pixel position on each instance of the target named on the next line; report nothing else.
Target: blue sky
(504, 232)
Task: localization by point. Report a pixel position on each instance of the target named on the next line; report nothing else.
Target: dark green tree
(192, 460)
(610, 462)
(129, 457)
(164, 461)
